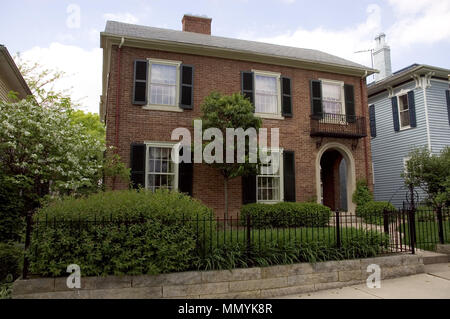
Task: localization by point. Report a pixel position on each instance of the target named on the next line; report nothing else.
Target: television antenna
(371, 55)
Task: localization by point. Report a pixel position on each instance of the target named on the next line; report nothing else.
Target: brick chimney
(196, 24)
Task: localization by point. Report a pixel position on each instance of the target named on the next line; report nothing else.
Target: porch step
(430, 257)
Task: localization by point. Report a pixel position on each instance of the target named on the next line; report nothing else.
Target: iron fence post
(440, 225)
(338, 229)
(386, 221)
(248, 226)
(412, 230)
(26, 262)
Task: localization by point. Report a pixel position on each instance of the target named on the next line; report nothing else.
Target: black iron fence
(429, 227)
(338, 125)
(390, 232)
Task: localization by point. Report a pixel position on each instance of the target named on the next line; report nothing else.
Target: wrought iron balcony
(338, 125)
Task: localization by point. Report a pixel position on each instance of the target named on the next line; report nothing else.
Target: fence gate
(399, 225)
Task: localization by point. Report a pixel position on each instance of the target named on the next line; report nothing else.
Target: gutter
(117, 115)
(366, 156)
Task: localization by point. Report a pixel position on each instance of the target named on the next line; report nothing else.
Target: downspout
(427, 122)
(117, 117)
(366, 157)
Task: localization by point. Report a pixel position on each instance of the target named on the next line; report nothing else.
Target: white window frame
(399, 94)
(163, 107)
(277, 76)
(170, 145)
(341, 84)
(281, 175)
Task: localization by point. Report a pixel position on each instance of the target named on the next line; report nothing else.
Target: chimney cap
(200, 16)
(381, 35)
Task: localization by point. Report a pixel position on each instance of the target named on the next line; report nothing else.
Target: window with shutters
(161, 169)
(333, 99)
(269, 183)
(164, 84)
(403, 111)
(267, 93)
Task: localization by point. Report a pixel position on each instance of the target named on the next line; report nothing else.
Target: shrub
(372, 212)
(11, 211)
(286, 214)
(119, 232)
(10, 260)
(362, 194)
(362, 244)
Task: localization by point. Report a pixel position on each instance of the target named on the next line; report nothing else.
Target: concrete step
(430, 257)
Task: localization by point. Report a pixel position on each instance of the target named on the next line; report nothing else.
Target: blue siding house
(407, 109)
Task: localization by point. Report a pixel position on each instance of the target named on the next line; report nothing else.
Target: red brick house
(154, 80)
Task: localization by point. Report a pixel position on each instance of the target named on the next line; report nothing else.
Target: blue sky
(46, 31)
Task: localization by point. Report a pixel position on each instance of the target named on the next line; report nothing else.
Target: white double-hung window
(269, 183)
(333, 97)
(164, 83)
(403, 111)
(161, 169)
(267, 93)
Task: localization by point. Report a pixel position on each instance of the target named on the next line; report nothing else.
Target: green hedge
(10, 262)
(372, 212)
(118, 232)
(286, 214)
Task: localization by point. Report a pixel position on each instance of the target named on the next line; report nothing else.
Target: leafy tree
(230, 111)
(42, 83)
(430, 172)
(47, 147)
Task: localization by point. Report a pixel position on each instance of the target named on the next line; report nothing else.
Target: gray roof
(144, 32)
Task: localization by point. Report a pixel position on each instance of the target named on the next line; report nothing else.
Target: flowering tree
(42, 151)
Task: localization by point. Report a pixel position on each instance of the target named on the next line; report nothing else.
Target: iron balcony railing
(338, 125)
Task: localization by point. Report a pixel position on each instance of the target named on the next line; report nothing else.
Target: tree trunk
(225, 185)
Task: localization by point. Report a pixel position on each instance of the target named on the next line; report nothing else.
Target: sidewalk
(433, 284)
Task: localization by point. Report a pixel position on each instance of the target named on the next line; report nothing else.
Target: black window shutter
(187, 87)
(349, 93)
(412, 109)
(286, 97)
(316, 99)
(248, 189)
(373, 127)
(137, 164)
(289, 176)
(247, 86)
(395, 113)
(140, 82)
(447, 94)
(185, 173)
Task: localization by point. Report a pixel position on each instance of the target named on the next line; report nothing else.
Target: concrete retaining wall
(262, 282)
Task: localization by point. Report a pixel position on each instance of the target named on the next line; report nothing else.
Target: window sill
(405, 128)
(269, 116)
(269, 201)
(165, 108)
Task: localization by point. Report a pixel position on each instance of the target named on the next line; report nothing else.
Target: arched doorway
(335, 176)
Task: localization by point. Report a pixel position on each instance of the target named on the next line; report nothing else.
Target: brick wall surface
(137, 124)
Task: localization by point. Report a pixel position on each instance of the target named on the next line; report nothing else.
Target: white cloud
(417, 22)
(83, 70)
(420, 21)
(342, 42)
(125, 17)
